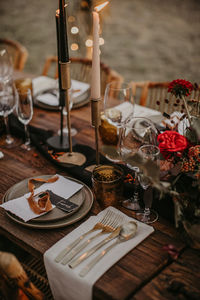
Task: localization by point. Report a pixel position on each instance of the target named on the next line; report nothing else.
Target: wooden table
(147, 272)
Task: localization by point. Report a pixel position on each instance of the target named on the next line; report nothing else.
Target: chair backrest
(18, 53)
(155, 95)
(80, 69)
(14, 281)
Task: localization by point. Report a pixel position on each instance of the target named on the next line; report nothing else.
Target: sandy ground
(144, 39)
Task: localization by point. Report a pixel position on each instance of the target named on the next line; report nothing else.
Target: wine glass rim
(118, 85)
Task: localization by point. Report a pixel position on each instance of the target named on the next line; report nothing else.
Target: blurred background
(141, 39)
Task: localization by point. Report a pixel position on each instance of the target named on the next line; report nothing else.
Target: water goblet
(148, 152)
(118, 108)
(136, 132)
(7, 106)
(25, 113)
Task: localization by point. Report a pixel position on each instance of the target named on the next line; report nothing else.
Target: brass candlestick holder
(96, 122)
(70, 157)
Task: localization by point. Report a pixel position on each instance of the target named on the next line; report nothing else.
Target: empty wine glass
(25, 113)
(6, 68)
(148, 152)
(136, 132)
(118, 107)
(65, 129)
(7, 106)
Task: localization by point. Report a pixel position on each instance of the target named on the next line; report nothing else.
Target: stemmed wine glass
(118, 108)
(7, 94)
(6, 68)
(148, 152)
(65, 129)
(25, 113)
(7, 106)
(136, 132)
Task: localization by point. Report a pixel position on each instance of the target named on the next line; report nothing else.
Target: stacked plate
(55, 218)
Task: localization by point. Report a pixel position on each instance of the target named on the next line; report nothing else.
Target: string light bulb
(89, 43)
(71, 19)
(74, 30)
(74, 47)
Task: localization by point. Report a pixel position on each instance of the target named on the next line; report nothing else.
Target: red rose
(171, 142)
(180, 87)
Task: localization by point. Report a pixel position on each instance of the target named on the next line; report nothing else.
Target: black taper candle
(61, 93)
(64, 53)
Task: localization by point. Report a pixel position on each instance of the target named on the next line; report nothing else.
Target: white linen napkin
(45, 90)
(66, 283)
(143, 111)
(42, 84)
(139, 111)
(48, 98)
(63, 187)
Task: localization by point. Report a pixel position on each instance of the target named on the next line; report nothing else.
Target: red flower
(180, 87)
(171, 142)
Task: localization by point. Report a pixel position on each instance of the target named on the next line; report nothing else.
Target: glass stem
(148, 194)
(9, 139)
(136, 194)
(27, 135)
(147, 211)
(119, 133)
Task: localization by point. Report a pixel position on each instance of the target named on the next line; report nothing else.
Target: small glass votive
(107, 183)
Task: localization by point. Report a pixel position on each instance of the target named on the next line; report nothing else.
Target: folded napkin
(42, 84)
(45, 90)
(63, 187)
(66, 283)
(146, 112)
(48, 98)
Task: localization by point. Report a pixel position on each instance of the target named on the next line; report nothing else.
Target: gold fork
(112, 224)
(98, 226)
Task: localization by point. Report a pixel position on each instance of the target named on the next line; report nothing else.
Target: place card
(61, 203)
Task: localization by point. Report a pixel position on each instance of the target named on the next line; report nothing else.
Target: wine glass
(65, 129)
(118, 108)
(6, 68)
(148, 152)
(7, 106)
(136, 132)
(25, 113)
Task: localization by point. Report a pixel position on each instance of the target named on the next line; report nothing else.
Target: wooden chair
(22, 281)
(18, 53)
(81, 70)
(155, 95)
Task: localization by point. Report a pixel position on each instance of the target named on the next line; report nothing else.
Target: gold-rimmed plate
(56, 218)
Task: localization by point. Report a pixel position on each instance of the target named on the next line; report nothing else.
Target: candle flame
(101, 6)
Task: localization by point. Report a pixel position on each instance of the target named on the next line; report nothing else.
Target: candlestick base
(74, 158)
(55, 143)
